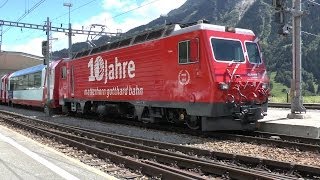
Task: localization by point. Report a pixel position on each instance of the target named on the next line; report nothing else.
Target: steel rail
(283, 137)
(263, 140)
(288, 105)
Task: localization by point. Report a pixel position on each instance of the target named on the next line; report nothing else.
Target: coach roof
(29, 70)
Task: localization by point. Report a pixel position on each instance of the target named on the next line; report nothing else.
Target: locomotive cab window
(189, 51)
(253, 52)
(227, 50)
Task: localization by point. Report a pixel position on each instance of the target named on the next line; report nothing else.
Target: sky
(114, 14)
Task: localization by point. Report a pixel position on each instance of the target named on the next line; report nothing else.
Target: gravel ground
(262, 151)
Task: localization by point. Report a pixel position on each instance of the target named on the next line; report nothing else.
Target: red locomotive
(206, 76)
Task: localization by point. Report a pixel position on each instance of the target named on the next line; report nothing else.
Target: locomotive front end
(240, 79)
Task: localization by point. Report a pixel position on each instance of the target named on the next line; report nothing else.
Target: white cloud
(32, 47)
(118, 5)
(148, 11)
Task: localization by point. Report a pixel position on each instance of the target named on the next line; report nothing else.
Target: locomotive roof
(169, 30)
(29, 70)
(205, 26)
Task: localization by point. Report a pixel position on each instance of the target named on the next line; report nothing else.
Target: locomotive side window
(63, 72)
(189, 51)
(184, 52)
(253, 52)
(227, 50)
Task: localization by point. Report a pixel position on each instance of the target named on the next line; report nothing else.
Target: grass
(279, 95)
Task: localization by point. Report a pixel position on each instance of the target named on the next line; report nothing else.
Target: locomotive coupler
(247, 113)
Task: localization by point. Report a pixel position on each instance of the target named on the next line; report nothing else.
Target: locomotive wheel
(172, 116)
(193, 122)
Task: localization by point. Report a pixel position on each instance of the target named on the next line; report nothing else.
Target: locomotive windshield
(227, 50)
(253, 52)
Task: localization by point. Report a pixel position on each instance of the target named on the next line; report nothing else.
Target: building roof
(12, 61)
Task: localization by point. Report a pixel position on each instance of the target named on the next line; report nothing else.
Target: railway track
(158, 159)
(278, 140)
(288, 105)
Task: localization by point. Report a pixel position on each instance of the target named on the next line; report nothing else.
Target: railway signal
(279, 4)
(280, 16)
(44, 46)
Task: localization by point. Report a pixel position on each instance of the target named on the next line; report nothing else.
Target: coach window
(31, 81)
(37, 79)
(63, 72)
(13, 83)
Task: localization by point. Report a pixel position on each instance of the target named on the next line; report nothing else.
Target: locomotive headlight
(223, 86)
(265, 86)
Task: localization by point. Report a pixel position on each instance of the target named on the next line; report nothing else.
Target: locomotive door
(71, 80)
(188, 67)
(188, 60)
(189, 77)
(63, 84)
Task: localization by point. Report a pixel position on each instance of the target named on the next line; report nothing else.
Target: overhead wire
(134, 9)
(310, 34)
(26, 13)
(87, 3)
(313, 2)
(62, 16)
(4, 4)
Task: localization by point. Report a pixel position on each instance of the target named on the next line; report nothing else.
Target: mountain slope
(251, 14)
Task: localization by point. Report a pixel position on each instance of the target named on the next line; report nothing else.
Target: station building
(12, 61)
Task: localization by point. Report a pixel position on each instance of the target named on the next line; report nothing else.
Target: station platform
(277, 122)
(24, 158)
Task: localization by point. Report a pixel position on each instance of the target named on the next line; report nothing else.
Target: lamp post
(69, 5)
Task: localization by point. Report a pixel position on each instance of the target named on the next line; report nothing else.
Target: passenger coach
(29, 86)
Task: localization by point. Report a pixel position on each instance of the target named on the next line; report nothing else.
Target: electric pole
(47, 59)
(280, 17)
(0, 37)
(69, 5)
(296, 101)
